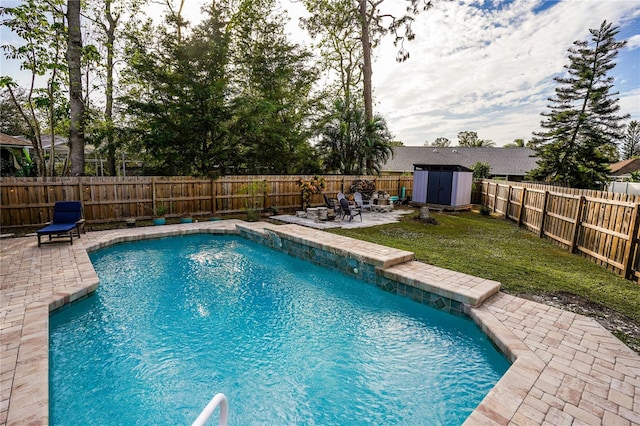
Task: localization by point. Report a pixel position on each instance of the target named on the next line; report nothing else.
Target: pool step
(373, 254)
(394, 264)
(456, 286)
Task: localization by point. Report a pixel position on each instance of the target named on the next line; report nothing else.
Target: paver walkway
(567, 369)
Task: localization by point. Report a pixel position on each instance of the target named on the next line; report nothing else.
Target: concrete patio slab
(368, 219)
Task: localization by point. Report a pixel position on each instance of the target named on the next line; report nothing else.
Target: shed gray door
(439, 187)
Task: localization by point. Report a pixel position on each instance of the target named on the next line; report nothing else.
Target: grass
(496, 249)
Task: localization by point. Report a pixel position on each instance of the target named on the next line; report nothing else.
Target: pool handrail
(218, 399)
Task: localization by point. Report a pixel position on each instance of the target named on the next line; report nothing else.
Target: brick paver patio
(567, 369)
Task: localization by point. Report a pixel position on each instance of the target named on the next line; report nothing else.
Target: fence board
(28, 202)
(600, 226)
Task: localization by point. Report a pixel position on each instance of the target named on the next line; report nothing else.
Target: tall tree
(11, 123)
(111, 17)
(40, 25)
(375, 23)
(440, 143)
(630, 147)
(76, 101)
(336, 26)
(470, 140)
(177, 94)
(370, 22)
(109, 25)
(583, 115)
(272, 80)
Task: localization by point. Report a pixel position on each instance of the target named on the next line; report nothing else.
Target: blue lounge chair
(67, 217)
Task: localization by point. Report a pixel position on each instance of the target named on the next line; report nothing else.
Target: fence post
(524, 194)
(484, 195)
(542, 215)
(506, 207)
(213, 196)
(495, 197)
(630, 252)
(81, 198)
(576, 226)
(264, 196)
(153, 195)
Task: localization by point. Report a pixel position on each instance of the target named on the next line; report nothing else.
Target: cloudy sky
(490, 68)
(483, 66)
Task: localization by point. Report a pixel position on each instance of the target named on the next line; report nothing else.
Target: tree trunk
(367, 69)
(76, 103)
(108, 108)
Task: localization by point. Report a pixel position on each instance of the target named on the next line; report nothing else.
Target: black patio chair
(349, 211)
(331, 204)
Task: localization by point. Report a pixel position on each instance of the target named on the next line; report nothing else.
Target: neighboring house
(61, 151)
(60, 146)
(13, 156)
(509, 163)
(622, 170)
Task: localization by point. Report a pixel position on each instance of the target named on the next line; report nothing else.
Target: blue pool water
(178, 320)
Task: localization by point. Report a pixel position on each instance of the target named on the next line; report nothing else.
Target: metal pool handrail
(218, 399)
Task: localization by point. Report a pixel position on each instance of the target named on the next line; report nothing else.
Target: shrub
(365, 187)
(253, 203)
(309, 189)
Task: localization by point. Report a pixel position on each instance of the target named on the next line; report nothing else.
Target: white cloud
(630, 103)
(633, 42)
(486, 71)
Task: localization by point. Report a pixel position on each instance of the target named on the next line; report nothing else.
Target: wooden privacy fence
(28, 202)
(601, 226)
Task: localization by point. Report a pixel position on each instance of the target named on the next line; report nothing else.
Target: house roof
(46, 141)
(6, 140)
(625, 167)
(61, 144)
(503, 161)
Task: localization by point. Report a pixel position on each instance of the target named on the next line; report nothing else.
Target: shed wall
(462, 184)
(420, 182)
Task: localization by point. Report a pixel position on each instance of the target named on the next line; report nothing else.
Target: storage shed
(438, 185)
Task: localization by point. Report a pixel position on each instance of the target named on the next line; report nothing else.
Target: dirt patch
(624, 328)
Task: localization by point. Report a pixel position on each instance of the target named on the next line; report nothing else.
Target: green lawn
(497, 249)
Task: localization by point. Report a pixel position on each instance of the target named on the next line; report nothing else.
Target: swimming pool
(178, 320)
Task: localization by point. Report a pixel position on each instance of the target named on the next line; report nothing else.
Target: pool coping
(566, 368)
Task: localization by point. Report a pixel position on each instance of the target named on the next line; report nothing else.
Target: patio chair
(348, 210)
(67, 218)
(360, 203)
(331, 204)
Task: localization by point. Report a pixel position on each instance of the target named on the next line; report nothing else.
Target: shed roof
(503, 161)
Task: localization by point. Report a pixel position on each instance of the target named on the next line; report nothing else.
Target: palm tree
(377, 146)
(350, 145)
